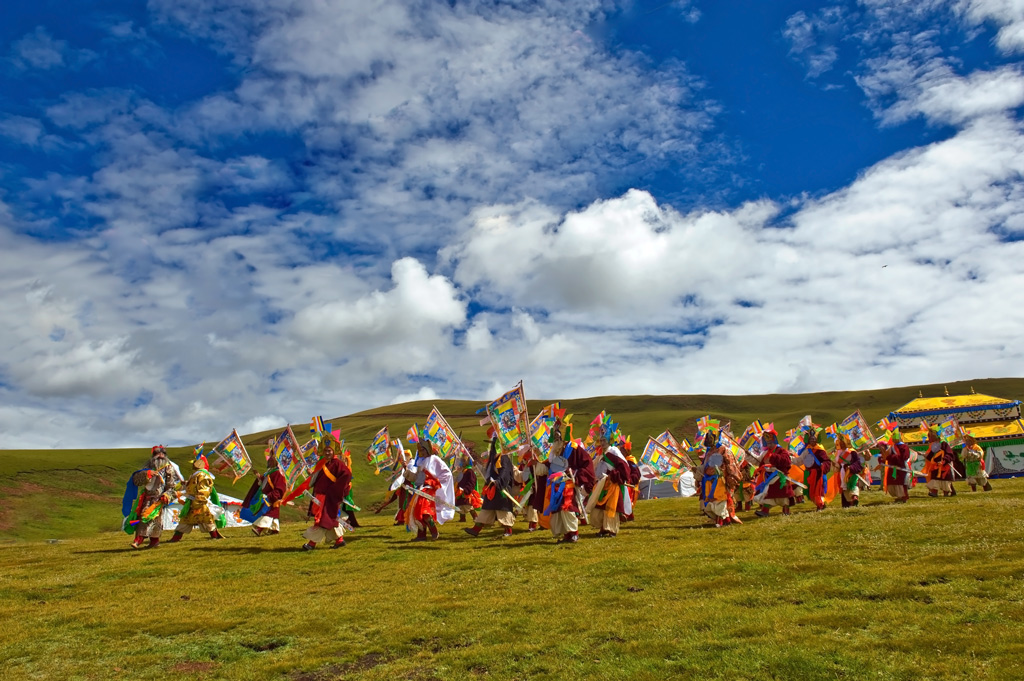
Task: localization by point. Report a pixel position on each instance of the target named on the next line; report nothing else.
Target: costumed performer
(817, 464)
(939, 465)
(564, 499)
(850, 468)
(973, 457)
(634, 478)
(714, 498)
(148, 492)
(538, 470)
(467, 499)
(268, 490)
(202, 503)
(775, 488)
(330, 483)
(432, 482)
(497, 497)
(897, 476)
(610, 498)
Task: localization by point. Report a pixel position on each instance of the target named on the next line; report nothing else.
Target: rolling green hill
(48, 494)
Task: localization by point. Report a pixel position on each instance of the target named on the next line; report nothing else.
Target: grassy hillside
(68, 493)
(933, 589)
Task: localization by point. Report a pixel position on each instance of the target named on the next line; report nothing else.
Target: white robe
(445, 496)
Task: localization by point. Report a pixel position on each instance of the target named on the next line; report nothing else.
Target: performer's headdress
(158, 457)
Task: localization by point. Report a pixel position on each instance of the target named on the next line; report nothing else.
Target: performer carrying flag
(939, 458)
(433, 500)
(467, 499)
(610, 498)
(498, 501)
(267, 495)
(850, 467)
(775, 488)
(330, 482)
(817, 464)
(897, 473)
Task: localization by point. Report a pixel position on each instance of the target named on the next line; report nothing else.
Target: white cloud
(40, 50)
(813, 39)
(397, 331)
(424, 394)
(1007, 14)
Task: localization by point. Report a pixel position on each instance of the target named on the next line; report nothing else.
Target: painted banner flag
(664, 463)
(667, 439)
(542, 427)
(729, 442)
(948, 431)
(290, 459)
(795, 442)
(232, 459)
(511, 422)
(316, 426)
(750, 439)
(856, 428)
(443, 436)
(309, 453)
(379, 452)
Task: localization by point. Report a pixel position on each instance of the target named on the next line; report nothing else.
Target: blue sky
(215, 214)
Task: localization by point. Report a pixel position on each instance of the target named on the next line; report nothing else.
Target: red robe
(778, 458)
(898, 455)
(329, 489)
(582, 467)
(940, 463)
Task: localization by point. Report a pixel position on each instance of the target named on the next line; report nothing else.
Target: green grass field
(931, 589)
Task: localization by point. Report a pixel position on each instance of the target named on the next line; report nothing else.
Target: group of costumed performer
(148, 492)
(202, 507)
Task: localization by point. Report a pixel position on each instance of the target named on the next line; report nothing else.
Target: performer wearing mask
(202, 504)
(149, 491)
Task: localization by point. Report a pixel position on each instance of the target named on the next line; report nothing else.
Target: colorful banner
(379, 451)
(856, 428)
(231, 458)
(750, 439)
(664, 463)
(667, 439)
(232, 511)
(542, 427)
(444, 438)
(290, 458)
(948, 431)
(511, 422)
(309, 453)
(729, 442)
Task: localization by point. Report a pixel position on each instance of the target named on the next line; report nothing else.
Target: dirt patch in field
(339, 671)
(194, 667)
